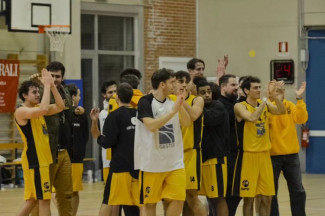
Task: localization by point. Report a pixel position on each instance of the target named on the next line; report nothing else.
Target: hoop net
(57, 35)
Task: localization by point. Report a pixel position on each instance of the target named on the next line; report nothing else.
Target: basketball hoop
(57, 34)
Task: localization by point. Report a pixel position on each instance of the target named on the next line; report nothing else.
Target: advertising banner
(9, 76)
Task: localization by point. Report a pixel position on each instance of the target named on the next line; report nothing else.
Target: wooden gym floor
(11, 200)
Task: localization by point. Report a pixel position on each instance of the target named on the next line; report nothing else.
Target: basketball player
(158, 147)
(122, 186)
(253, 172)
(214, 150)
(192, 145)
(36, 155)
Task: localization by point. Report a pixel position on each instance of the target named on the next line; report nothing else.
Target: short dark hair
(73, 89)
(225, 79)
(55, 67)
(247, 82)
(198, 79)
(130, 79)
(131, 71)
(191, 63)
(201, 83)
(181, 74)
(161, 75)
(242, 78)
(24, 88)
(215, 89)
(107, 84)
(124, 92)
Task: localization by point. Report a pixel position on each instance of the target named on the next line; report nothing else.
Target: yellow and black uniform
(192, 137)
(214, 150)
(122, 187)
(253, 172)
(36, 159)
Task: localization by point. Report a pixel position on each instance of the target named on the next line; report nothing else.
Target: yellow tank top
(37, 151)
(192, 135)
(254, 136)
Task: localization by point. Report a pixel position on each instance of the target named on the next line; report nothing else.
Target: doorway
(315, 77)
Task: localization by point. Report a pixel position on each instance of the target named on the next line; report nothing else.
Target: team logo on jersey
(166, 137)
(47, 187)
(44, 129)
(192, 178)
(245, 183)
(260, 129)
(148, 189)
(133, 120)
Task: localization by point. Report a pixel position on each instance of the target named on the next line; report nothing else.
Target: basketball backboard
(27, 15)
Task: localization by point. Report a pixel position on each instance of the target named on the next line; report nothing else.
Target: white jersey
(102, 116)
(159, 151)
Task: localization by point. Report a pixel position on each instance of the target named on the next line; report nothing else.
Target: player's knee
(191, 195)
(266, 199)
(248, 201)
(150, 205)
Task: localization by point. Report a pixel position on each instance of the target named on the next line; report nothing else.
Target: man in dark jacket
(229, 87)
(214, 150)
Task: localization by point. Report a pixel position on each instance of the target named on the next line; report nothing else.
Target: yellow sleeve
(112, 105)
(299, 112)
(172, 97)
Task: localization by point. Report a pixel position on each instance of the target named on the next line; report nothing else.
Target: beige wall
(314, 12)
(72, 57)
(235, 27)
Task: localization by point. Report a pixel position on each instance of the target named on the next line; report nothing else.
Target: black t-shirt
(79, 137)
(118, 134)
(231, 139)
(215, 131)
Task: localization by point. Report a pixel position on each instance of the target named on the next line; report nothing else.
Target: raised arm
(153, 124)
(196, 109)
(243, 114)
(59, 103)
(94, 116)
(221, 67)
(24, 113)
(277, 93)
(184, 118)
(300, 114)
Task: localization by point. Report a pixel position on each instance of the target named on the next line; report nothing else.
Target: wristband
(264, 99)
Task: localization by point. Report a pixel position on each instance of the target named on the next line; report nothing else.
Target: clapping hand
(301, 90)
(46, 78)
(94, 114)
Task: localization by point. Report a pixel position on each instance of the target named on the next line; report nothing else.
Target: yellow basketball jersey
(37, 151)
(192, 135)
(254, 136)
